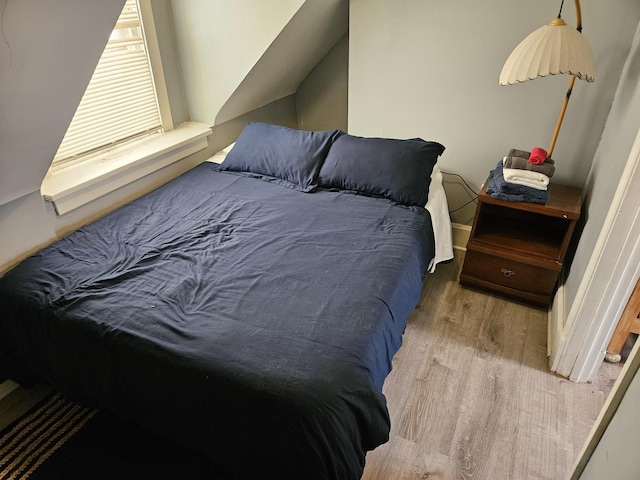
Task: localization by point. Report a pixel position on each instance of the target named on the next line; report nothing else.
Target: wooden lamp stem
(561, 116)
(569, 89)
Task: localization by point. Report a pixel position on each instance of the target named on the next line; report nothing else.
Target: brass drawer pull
(508, 273)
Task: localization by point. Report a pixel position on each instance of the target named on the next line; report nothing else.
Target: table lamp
(553, 49)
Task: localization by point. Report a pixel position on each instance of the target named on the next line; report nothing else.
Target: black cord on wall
(475, 198)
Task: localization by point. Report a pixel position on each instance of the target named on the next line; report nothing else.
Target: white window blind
(120, 101)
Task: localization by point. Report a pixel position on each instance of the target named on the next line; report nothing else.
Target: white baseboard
(555, 321)
(6, 388)
(461, 235)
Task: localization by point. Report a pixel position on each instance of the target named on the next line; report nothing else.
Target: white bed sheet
(439, 209)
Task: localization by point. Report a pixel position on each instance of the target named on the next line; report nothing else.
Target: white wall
(322, 98)
(617, 453)
(219, 43)
(239, 56)
(430, 69)
(609, 161)
(617, 433)
(25, 227)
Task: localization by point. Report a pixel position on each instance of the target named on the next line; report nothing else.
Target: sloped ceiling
(306, 39)
(239, 56)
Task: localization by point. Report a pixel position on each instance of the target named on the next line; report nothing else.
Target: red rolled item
(538, 155)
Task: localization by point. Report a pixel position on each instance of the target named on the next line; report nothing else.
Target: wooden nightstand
(517, 248)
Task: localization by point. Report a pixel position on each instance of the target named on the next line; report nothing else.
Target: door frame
(577, 344)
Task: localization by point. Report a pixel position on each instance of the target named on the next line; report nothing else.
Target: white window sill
(71, 187)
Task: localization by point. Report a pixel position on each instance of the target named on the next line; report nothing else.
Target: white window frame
(153, 50)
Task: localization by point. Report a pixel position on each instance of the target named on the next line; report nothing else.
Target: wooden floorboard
(471, 397)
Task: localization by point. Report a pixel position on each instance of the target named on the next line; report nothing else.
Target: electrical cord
(460, 208)
(463, 181)
(475, 198)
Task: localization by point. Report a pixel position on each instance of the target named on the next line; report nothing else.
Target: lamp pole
(572, 80)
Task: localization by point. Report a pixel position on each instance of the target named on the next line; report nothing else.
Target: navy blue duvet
(247, 320)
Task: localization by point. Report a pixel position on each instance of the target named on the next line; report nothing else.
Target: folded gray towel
(519, 153)
(520, 159)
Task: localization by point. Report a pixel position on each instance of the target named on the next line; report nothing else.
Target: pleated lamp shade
(550, 50)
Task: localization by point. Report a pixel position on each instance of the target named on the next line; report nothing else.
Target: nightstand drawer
(508, 273)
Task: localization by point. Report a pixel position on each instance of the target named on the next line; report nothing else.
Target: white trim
(556, 318)
(607, 283)
(461, 234)
(80, 183)
(155, 60)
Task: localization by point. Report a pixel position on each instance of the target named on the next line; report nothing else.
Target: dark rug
(58, 440)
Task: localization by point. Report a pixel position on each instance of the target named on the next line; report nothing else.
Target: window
(120, 102)
(123, 130)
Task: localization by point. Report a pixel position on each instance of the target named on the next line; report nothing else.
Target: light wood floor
(471, 397)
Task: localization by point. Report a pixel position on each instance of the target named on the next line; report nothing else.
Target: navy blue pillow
(279, 154)
(399, 170)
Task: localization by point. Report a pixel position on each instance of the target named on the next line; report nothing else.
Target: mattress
(249, 321)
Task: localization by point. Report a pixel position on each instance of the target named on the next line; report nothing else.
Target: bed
(249, 309)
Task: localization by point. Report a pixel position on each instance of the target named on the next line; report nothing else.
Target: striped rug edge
(33, 438)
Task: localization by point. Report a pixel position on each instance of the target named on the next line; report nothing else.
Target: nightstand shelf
(523, 234)
(518, 248)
